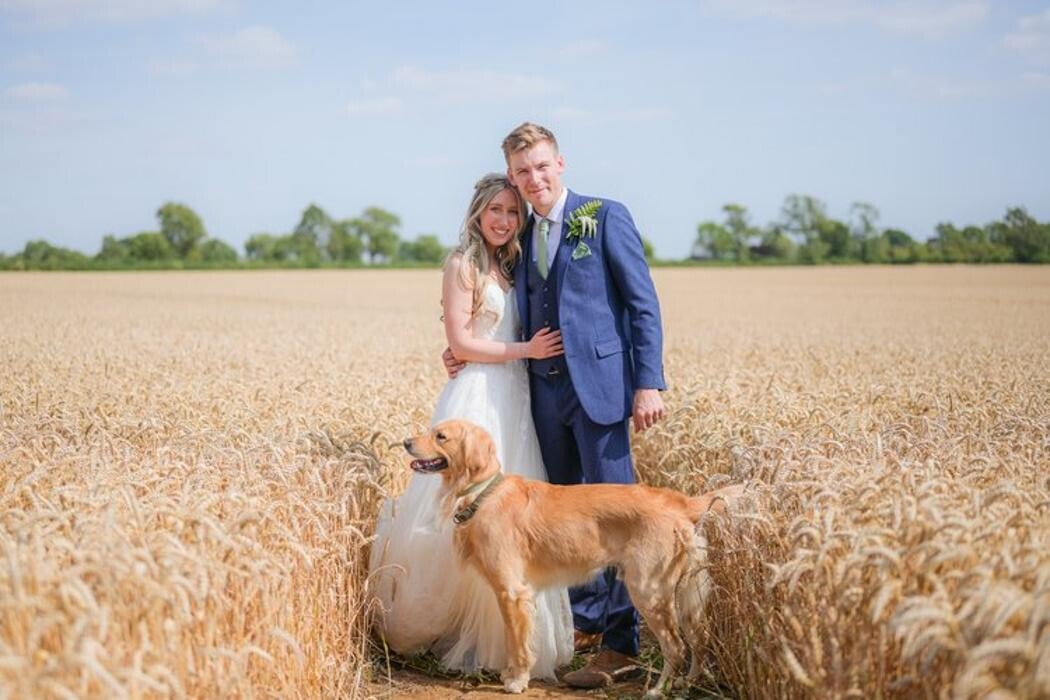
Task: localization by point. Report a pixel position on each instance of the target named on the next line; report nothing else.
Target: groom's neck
(544, 212)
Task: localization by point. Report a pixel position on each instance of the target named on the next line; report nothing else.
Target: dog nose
(408, 444)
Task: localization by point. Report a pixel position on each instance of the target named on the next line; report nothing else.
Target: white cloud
(473, 85)
(930, 18)
(251, 47)
(1031, 37)
(374, 106)
(37, 92)
(59, 12)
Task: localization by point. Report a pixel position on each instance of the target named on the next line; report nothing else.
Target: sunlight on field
(191, 465)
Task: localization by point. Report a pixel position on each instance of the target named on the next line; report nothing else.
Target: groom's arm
(452, 363)
(457, 302)
(625, 258)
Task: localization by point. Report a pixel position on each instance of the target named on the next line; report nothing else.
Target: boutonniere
(583, 224)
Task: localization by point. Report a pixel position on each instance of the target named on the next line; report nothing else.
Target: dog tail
(691, 599)
(694, 588)
(714, 501)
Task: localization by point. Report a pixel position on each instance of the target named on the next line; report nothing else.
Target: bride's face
(501, 219)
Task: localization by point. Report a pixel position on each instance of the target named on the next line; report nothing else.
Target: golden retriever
(523, 536)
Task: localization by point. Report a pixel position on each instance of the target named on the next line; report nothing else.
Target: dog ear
(479, 451)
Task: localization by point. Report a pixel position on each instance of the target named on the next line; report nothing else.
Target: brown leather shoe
(605, 668)
(585, 641)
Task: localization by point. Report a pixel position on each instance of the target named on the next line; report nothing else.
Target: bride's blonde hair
(474, 270)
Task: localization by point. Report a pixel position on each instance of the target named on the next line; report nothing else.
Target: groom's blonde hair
(526, 136)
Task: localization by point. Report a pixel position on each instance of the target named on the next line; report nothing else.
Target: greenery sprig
(582, 221)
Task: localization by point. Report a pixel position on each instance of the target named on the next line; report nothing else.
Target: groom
(589, 279)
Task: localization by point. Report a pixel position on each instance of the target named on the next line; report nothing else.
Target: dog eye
(441, 437)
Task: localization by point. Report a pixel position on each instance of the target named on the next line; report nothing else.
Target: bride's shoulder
(457, 272)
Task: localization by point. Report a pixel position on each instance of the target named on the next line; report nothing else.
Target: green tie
(541, 247)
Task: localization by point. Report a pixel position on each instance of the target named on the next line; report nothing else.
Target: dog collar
(462, 516)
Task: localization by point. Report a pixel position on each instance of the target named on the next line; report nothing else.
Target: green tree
(868, 241)
(946, 245)
(713, 240)
(777, 245)
(806, 219)
(290, 248)
(313, 231)
(897, 238)
(901, 248)
(813, 251)
(378, 229)
(181, 226)
(260, 246)
(150, 246)
(41, 255)
(801, 216)
(1028, 239)
(426, 249)
(344, 243)
(113, 250)
(836, 235)
(215, 251)
(740, 230)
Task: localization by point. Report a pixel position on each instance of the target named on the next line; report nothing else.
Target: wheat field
(191, 465)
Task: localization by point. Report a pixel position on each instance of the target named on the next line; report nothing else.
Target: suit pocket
(612, 346)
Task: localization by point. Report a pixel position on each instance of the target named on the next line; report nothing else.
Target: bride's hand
(546, 343)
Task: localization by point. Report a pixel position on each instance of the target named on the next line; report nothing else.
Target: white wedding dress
(429, 599)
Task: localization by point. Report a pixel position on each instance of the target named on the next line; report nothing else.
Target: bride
(429, 600)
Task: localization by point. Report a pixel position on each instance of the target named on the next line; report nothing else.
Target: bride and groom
(571, 278)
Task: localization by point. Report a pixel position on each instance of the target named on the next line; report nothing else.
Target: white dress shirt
(555, 216)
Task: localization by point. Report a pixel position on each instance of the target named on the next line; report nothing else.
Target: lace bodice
(497, 319)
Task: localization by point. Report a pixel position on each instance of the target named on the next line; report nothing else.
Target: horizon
(248, 112)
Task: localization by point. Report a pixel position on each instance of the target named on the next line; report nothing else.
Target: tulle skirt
(430, 600)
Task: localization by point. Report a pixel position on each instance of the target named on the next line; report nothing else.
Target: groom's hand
(648, 408)
(452, 365)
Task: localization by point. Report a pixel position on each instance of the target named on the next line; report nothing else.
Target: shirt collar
(555, 214)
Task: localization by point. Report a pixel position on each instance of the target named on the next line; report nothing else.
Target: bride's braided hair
(474, 271)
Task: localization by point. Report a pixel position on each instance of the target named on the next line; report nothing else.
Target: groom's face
(536, 172)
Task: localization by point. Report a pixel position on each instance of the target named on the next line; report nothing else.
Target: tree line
(804, 233)
(182, 241)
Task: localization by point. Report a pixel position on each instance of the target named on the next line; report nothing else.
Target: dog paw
(514, 682)
(517, 685)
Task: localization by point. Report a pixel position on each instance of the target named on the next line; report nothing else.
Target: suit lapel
(564, 254)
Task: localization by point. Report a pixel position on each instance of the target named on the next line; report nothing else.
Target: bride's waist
(508, 367)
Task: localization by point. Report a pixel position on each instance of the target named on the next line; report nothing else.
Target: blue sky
(248, 111)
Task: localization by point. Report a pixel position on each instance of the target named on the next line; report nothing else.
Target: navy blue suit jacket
(608, 312)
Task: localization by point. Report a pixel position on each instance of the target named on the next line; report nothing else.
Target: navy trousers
(578, 451)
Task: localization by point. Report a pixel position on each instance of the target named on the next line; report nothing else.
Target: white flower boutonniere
(583, 223)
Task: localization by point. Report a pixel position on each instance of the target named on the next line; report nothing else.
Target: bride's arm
(457, 302)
